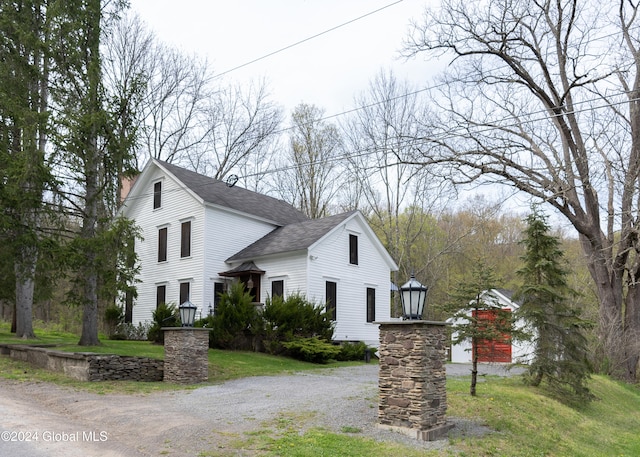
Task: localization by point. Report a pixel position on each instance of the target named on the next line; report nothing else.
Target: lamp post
(412, 296)
(187, 313)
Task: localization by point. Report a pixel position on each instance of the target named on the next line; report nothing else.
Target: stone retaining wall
(88, 366)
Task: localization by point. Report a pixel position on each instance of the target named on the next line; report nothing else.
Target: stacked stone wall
(124, 368)
(87, 366)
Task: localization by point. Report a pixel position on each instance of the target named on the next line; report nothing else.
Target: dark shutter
(157, 195)
(161, 295)
(218, 290)
(184, 292)
(331, 298)
(353, 249)
(185, 244)
(162, 245)
(371, 304)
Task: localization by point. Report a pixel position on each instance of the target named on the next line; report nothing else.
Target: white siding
(289, 268)
(217, 234)
(329, 261)
(177, 206)
(226, 233)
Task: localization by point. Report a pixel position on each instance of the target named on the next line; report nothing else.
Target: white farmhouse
(200, 233)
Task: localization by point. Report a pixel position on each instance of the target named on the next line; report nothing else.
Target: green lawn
(223, 365)
(525, 421)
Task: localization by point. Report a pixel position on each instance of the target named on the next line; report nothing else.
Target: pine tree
(469, 301)
(25, 53)
(92, 149)
(560, 354)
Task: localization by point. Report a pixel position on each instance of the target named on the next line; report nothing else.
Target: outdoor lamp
(187, 313)
(412, 296)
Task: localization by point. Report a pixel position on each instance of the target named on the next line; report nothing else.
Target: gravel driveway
(69, 423)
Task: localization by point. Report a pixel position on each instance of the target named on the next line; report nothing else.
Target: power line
(415, 142)
(307, 39)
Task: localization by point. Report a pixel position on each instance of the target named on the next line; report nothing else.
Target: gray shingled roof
(292, 237)
(236, 198)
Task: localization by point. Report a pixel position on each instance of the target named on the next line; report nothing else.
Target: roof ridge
(237, 198)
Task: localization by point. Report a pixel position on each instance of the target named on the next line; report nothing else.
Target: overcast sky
(327, 71)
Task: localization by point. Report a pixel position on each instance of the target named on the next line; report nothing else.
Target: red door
(492, 350)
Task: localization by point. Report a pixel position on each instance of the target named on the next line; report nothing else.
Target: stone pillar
(186, 354)
(412, 379)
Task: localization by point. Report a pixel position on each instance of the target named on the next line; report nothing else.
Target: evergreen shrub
(293, 318)
(237, 324)
(165, 315)
(312, 350)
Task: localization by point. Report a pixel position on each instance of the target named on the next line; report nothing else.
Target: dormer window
(157, 195)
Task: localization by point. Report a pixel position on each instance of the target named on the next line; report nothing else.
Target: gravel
(193, 422)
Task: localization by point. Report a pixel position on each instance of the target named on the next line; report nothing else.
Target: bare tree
(394, 195)
(308, 176)
(178, 87)
(524, 105)
(241, 128)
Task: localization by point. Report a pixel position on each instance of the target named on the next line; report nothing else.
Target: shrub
(312, 350)
(128, 331)
(237, 323)
(353, 351)
(164, 316)
(113, 317)
(295, 317)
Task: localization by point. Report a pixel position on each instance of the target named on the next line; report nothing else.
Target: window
(277, 288)
(162, 244)
(161, 295)
(185, 240)
(371, 304)
(157, 195)
(353, 249)
(185, 289)
(331, 299)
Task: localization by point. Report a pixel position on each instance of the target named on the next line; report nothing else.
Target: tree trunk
(25, 283)
(632, 333)
(92, 195)
(89, 335)
(474, 366)
(611, 333)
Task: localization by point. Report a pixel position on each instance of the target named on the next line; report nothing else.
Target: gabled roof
(217, 192)
(292, 237)
(501, 297)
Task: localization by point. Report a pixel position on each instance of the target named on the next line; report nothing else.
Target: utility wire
(307, 39)
(541, 115)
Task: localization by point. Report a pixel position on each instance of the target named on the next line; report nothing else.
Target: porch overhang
(243, 269)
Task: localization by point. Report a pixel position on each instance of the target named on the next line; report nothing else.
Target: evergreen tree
(91, 147)
(471, 301)
(25, 53)
(560, 346)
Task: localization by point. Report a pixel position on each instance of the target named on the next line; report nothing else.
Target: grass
(223, 365)
(525, 422)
